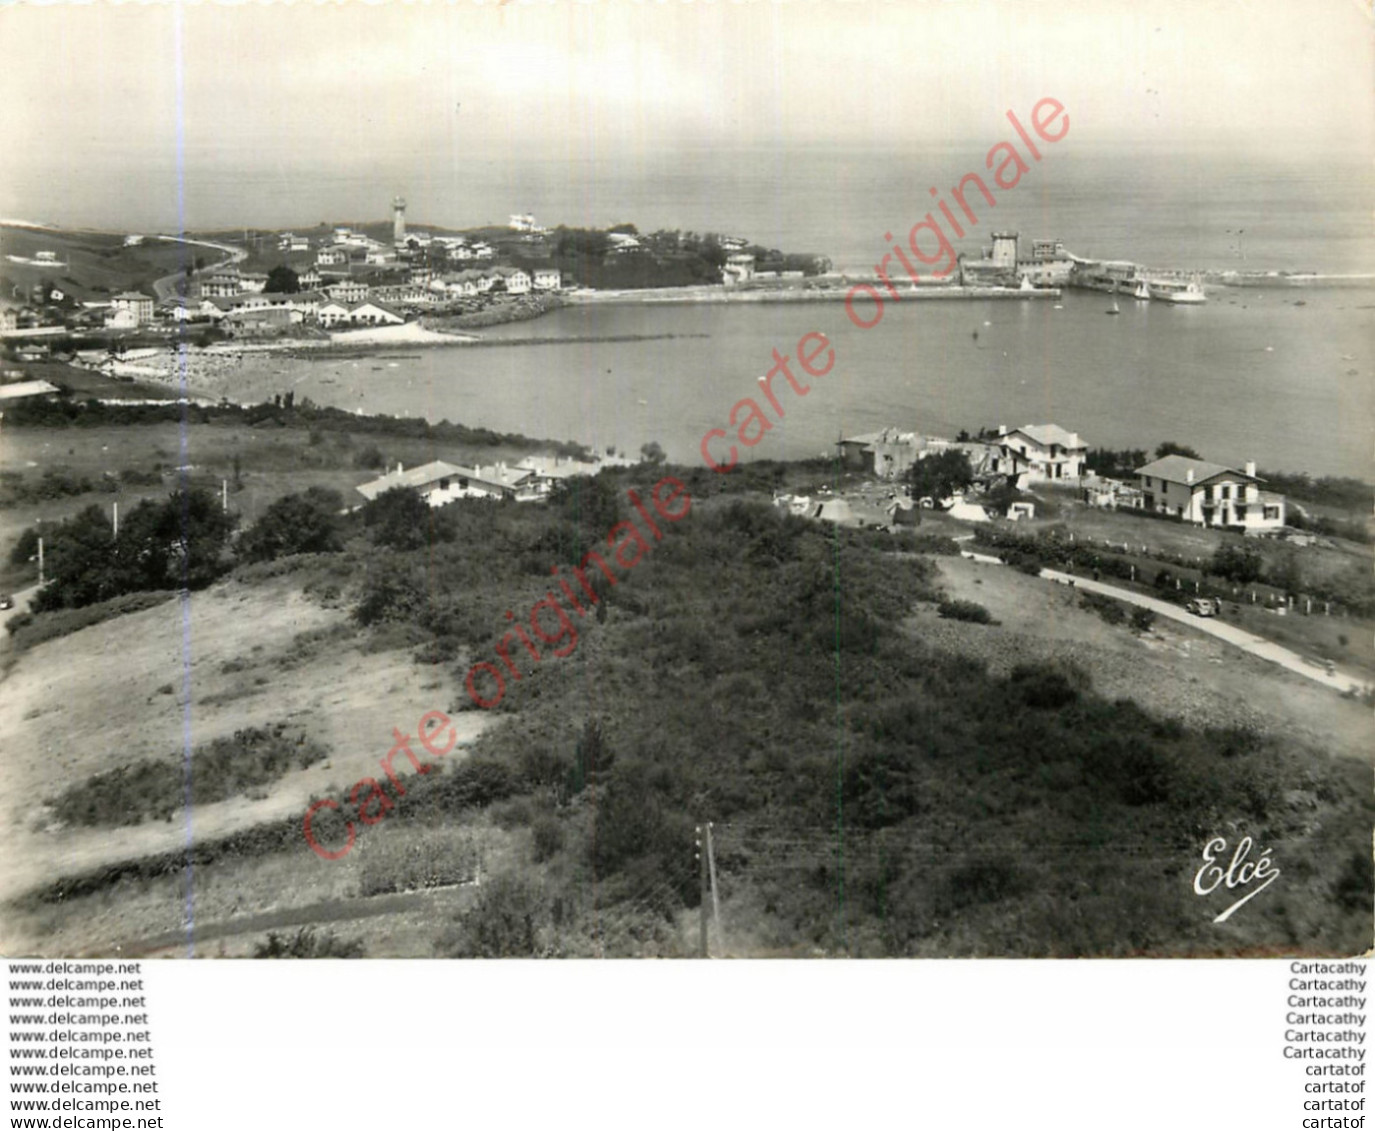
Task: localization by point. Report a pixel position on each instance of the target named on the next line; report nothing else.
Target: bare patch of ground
(148, 684)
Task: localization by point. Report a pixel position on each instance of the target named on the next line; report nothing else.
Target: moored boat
(1189, 293)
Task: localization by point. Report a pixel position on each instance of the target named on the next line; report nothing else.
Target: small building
(348, 291)
(888, 454)
(374, 313)
(440, 482)
(516, 280)
(547, 279)
(139, 305)
(223, 282)
(120, 318)
(26, 390)
(739, 268)
(1210, 494)
(547, 471)
(1052, 454)
(178, 309)
(332, 313)
(331, 257)
(437, 482)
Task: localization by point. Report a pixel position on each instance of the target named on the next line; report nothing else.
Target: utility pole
(715, 895)
(224, 495)
(115, 508)
(702, 880)
(40, 561)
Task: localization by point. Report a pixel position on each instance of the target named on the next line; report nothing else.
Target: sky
(164, 115)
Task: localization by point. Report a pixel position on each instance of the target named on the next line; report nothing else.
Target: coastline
(718, 293)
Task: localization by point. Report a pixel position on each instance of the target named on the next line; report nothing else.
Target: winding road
(166, 286)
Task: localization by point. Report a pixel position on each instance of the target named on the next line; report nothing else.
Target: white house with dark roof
(1210, 494)
(516, 280)
(1051, 453)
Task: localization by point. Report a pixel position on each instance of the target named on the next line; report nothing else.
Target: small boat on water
(1114, 309)
(1184, 294)
(1142, 291)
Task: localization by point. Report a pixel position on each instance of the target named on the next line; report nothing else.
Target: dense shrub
(305, 523)
(1112, 611)
(547, 837)
(305, 943)
(400, 519)
(221, 768)
(505, 922)
(1242, 564)
(1047, 688)
(31, 629)
(964, 610)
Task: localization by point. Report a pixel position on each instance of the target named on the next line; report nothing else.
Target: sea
(1283, 376)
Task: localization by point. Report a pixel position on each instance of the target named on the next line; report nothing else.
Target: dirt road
(1246, 641)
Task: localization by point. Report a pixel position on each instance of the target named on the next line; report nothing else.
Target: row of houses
(422, 283)
(515, 280)
(1194, 490)
(348, 308)
(530, 480)
(1033, 453)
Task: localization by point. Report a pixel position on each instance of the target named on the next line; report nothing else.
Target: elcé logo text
(1240, 873)
(864, 303)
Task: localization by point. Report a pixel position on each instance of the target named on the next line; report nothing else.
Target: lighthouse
(398, 212)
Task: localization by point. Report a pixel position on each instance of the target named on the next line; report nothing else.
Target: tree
(652, 452)
(1242, 564)
(78, 561)
(195, 530)
(940, 476)
(401, 519)
(504, 921)
(304, 523)
(594, 504)
(282, 280)
(1170, 448)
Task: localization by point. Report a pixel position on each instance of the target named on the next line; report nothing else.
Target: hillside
(92, 264)
(881, 780)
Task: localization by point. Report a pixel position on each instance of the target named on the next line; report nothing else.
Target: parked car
(1204, 606)
(6, 601)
